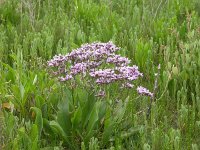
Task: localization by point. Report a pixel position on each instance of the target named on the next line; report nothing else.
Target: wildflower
(66, 78)
(143, 91)
(94, 60)
(78, 68)
(130, 73)
(118, 60)
(57, 61)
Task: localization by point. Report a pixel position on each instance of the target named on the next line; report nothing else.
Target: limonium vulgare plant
(100, 62)
(95, 67)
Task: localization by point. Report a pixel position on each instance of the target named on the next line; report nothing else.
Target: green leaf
(24, 136)
(38, 119)
(102, 112)
(120, 110)
(34, 132)
(82, 96)
(76, 119)
(11, 74)
(64, 117)
(88, 107)
(108, 131)
(22, 91)
(35, 79)
(34, 137)
(109, 125)
(47, 127)
(60, 131)
(93, 118)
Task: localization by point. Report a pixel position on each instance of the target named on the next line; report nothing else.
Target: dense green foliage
(38, 112)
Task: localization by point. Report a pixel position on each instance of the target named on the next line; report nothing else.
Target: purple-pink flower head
(58, 60)
(95, 51)
(79, 68)
(66, 78)
(104, 76)
(129, 73)
(143, 91)
(100, 62)
(118, 60)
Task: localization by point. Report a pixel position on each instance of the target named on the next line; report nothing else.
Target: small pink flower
(143, 91)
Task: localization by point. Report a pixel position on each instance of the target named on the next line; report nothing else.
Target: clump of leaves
(83, 113)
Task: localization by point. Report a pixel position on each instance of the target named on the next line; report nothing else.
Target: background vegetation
(150, 32)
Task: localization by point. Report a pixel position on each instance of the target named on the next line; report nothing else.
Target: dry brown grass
(2, 1)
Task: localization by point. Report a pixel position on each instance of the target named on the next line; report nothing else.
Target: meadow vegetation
(37, 111)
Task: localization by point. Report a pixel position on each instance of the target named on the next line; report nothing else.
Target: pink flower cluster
(106, 76)
(143, 91)
(99, 61)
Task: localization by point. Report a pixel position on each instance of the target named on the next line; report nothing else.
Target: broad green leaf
(109, 126)
(60, 131)
(93, 118)
(38, 119)
(47, 127)
(87, 109)
(34, 137)
(64, 117)
(24, 136)
(120, 110)
(102, 112)
(34, 132)
(82, 96)
(76, 119)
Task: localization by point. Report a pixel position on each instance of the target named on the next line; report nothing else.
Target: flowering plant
(100, 62)
(94, 66)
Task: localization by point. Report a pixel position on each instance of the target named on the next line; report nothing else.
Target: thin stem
(154, 91)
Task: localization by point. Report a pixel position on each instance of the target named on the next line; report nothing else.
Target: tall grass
(149, 33)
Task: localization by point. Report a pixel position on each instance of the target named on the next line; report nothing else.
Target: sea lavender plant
(100, 62)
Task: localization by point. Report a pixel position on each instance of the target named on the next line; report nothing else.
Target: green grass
(150, 32)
